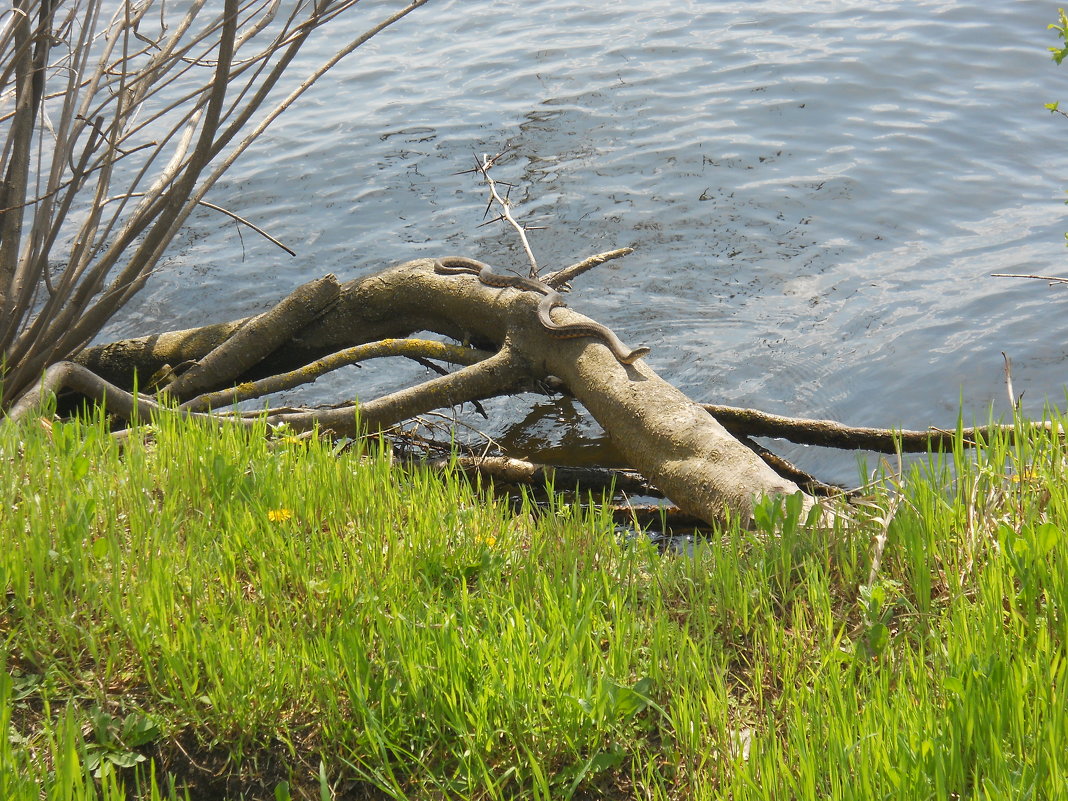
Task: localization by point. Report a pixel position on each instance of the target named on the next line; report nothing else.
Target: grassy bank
(236, 619)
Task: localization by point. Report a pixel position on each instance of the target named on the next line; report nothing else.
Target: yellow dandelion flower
(1027, 474)
(278, 515)
(489, 542)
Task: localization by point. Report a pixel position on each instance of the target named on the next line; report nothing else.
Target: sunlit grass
(288, 605)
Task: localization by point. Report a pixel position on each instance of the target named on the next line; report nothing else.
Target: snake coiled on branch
(455, 265)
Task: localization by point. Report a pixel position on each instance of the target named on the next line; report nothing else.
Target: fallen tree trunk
(666, 436)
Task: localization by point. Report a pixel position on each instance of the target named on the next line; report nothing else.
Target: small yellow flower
(278, 515)
(489, 542)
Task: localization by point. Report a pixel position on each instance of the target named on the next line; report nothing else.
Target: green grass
(210, 615)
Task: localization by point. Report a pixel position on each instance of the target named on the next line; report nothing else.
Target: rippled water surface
(817, 191)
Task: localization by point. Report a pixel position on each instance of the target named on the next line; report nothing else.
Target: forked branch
(483, 168)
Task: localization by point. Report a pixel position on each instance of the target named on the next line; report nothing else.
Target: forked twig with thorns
(483, 167)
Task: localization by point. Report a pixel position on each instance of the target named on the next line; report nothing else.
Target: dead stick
(567, 274)
(484, 167)
(832, 434)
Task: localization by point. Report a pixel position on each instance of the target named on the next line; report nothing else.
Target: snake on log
(455, 265)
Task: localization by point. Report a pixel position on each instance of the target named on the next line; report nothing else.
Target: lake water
(817, 193)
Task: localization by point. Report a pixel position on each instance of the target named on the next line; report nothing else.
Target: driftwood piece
(693, 454)
(663, 434)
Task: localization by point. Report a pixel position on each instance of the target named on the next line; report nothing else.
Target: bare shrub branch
(117, 127)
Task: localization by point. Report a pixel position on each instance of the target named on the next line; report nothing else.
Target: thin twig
(483, 167)
(1051, 278)
(231, 214)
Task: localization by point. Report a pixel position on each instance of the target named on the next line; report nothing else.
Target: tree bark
(257, 338)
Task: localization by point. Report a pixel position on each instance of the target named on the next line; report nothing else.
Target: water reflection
(817, 193)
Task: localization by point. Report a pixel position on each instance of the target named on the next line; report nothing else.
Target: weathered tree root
(675, 443)
(75, 377)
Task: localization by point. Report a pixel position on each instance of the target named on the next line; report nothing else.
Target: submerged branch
(507, 470)
(832, 434)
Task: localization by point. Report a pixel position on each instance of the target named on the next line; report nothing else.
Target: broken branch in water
(1051, 278)
(832, 434)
